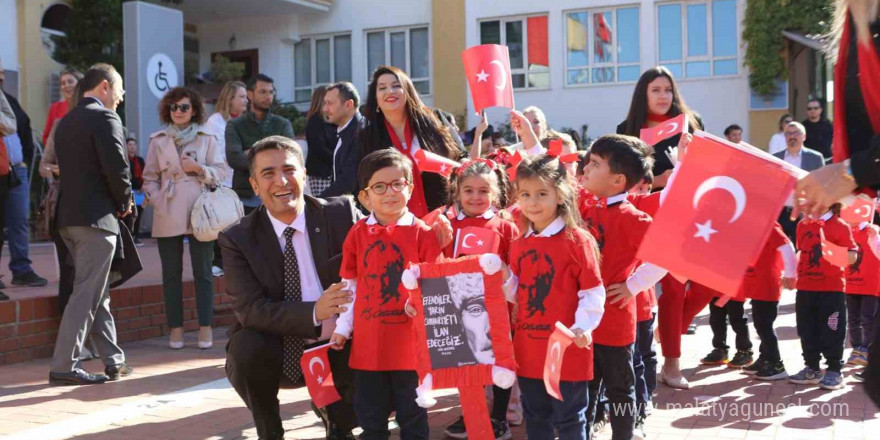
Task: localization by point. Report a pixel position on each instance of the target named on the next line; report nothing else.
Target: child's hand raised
(337, 341)
(442, 228)
(581, 338)
(619, 293)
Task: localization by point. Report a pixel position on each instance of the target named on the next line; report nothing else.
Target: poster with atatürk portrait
(457, 321)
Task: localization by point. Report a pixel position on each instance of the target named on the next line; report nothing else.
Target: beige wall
(448, 41)
(762, 125)
(36, 65)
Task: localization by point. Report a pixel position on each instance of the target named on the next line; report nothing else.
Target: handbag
(46, 212)
(216, 209)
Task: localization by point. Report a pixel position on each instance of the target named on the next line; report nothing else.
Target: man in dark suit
(802, 157)
(341, 109)
(281, 262)
(95, 191)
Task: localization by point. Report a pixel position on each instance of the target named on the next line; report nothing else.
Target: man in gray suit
(802, 157)
(95, 191)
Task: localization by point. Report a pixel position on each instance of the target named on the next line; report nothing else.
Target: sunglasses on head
(182, 107)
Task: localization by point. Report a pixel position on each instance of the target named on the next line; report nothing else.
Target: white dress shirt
(794, 159)
(339, 143)
(308, 274)
(777, 143)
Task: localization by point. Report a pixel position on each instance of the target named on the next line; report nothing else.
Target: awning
(812, 41)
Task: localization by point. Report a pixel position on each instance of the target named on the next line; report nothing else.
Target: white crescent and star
(481, 77)
(316, 360)
(555, 355)
(674, 126)
(729, 184)
(503, 82)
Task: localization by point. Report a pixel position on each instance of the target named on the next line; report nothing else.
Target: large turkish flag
(717, 213)
(487, 68)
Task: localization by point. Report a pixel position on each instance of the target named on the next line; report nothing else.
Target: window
(526, 40)
(698, 39)
(602, 46)
(318, 61)
(52, 25)
(404, 48)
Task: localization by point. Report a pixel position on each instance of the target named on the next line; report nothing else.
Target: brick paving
(184, 395)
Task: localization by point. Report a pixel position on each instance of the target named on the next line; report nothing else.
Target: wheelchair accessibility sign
(161, 74)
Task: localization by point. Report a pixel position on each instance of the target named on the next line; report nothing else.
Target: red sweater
(763, 280)
(863, 276)
(816, 273)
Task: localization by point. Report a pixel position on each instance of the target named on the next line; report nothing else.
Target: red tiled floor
(184, 395)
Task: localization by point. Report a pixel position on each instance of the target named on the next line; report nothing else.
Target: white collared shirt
(613, 200)
(486, 215)
(826, 216)
(308, 273)
(407, 219)
(339, 143)
(796, 159)
(552, 229)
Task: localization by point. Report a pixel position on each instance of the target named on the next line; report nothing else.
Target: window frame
(590, 47)
(407, 48)
(524, 19)
(313, 65)
(710, 41)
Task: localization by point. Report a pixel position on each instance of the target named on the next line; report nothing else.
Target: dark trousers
(788, 226)
(872, 371)
(500, 401)
(645, 364)
(136, 228)
(718, 317)
(379, 393)
(171, 257)
(861, 313)
(543, 413)
(764, 315)
(613, 369)
(253, 366)
(821, 326)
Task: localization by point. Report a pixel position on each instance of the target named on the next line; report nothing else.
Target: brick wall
(28, 327)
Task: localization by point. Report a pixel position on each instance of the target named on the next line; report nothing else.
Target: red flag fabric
(717, 213)
(671, 127)
(861, 210)
(834, 254)
(515, 159)
(474, 240)
(434, 163)
(538, 45)
(315, 365)
(555, 148)
(487, 68)
(559, 341)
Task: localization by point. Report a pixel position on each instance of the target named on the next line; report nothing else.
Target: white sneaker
(216, 271)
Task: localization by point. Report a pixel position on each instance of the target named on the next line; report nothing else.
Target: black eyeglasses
(813, 108)
(380, 188)
(182, 107)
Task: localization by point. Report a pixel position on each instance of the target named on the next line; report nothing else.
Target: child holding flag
(553, 277)
(862, 289)
(821, 305)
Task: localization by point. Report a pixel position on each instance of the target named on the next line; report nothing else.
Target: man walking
(95, 192)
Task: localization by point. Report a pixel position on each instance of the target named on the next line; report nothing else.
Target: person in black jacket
(95, 192)
(321, 138)
(656, 99)
(396, 117)
(137, 181)
(819, 129)
(340, 109)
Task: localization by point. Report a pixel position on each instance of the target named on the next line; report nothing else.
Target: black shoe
(771, 371)
(76, 377)
(692, 328)
(501, 430)
(30, 279)
(337, 435)
(754, 367)
(859, 376)
(717, 356)
(3, 296)
(740, 359)
(2, 284)
(457, 430)
(114, 372)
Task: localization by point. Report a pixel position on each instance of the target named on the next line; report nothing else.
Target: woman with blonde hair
(321, 141)
(231, 103)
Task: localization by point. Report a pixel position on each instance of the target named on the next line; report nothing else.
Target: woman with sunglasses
(182, 159)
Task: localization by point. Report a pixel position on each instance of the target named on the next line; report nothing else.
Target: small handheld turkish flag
(434, 163)
(834, 254)
(487, 68)
(860, 210)
(555, 148)
(672, 127)
(315, 365)
(717, 213)
(559, 341)
(474, 240)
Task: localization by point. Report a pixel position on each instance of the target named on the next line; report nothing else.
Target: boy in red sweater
(617, 163)
(374, 255)
(821, 304)
(862, 289)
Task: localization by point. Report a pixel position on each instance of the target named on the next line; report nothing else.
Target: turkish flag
(717, 213)
(434, 163)
(315, 365)
(487, 68)
(515, 159)
(664, 130)
(474, 240)
(860, 210)
(834, 254)
(555, 148)
(559, 341)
